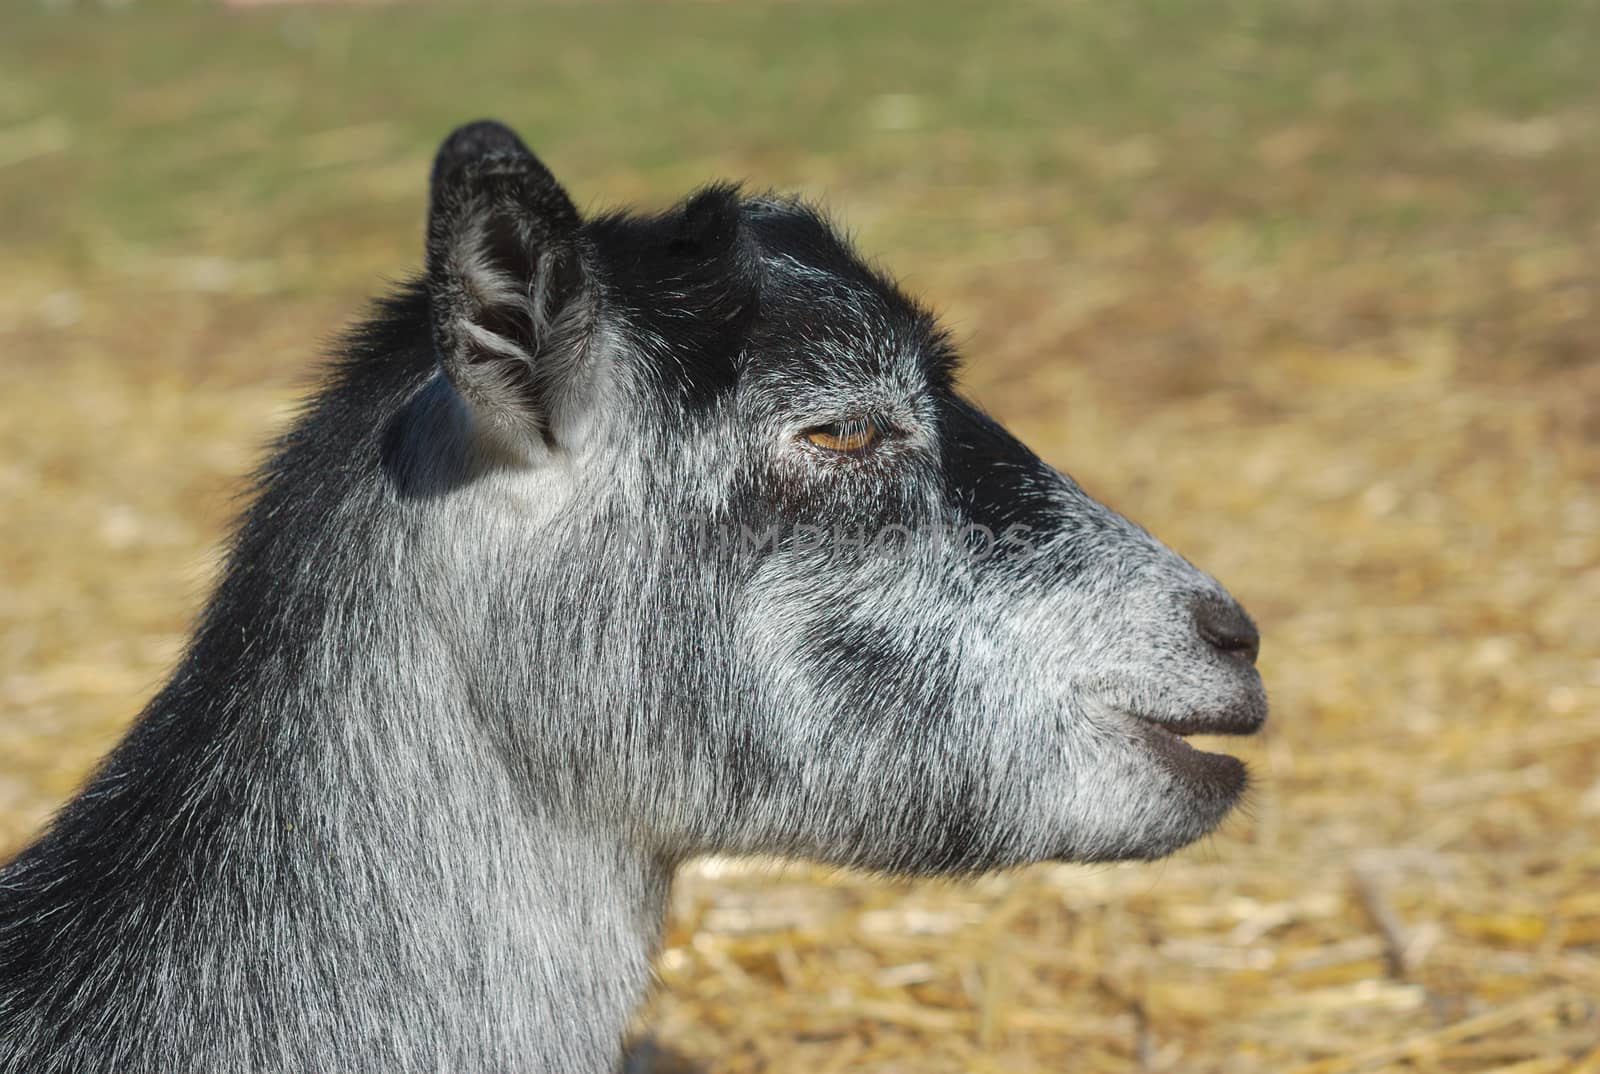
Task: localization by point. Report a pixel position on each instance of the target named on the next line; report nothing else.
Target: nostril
(1226, 627)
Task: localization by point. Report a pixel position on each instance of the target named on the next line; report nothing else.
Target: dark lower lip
(1216, 774)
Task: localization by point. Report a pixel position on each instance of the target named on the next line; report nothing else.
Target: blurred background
(1309, 287)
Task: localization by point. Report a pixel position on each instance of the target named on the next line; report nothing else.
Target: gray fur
(505, 640)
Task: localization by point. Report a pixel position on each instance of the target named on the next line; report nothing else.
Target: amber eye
(846, 438)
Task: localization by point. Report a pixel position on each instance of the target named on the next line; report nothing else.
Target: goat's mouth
(1243, 720)
(1236, 706)
(1218, 775)
(1219, 778)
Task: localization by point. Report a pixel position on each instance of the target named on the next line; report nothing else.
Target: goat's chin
(1171, 794)
(1206, 787)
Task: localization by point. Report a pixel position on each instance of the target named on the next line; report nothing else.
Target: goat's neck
(300, 872)
(526, 931)
(494, 919)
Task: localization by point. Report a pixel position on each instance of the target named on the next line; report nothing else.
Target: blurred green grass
(256, 133)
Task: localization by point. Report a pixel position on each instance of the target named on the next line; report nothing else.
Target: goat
(607, 542)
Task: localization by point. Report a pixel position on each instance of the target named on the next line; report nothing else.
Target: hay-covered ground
(1312, 288)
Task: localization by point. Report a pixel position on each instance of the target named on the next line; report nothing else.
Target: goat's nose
(1226, 627)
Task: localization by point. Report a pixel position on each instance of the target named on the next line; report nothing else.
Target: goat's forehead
(816, 324)
(826, 314)
(725, 289)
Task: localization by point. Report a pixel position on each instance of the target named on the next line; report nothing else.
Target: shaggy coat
(606, 543)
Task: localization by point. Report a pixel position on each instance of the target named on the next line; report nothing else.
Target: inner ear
(512, 299)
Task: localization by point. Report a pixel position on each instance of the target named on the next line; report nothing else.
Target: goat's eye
(848, 438)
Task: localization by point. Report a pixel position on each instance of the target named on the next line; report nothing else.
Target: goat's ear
(513, 301)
